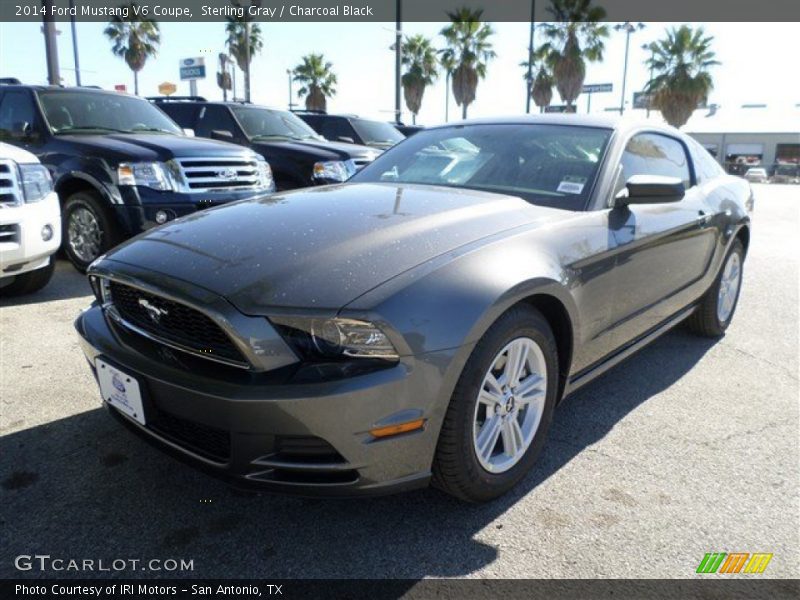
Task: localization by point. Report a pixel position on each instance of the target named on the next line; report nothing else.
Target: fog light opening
(390, 430)
(47, 233)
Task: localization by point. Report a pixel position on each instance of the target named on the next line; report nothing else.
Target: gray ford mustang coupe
(420, 322)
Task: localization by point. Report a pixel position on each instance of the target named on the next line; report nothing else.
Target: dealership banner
(386, 10)
(379, 589)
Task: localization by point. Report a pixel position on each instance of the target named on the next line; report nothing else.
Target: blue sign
(192, 68)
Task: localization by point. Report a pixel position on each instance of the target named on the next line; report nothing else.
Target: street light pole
(529, 87)
(50, 45)
(289, 73)
(75, 44)
(628, 28)
(398, 59)
(650, 76)
(447, 96)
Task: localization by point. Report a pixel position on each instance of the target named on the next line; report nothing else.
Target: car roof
(614, 122)
(89, 89)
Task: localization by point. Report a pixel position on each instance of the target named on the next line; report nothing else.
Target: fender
(89, 171)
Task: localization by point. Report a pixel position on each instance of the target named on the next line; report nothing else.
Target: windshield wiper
(268, 136)
(89, 128)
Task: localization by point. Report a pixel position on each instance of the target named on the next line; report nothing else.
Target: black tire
(456, 468)
(30, 282)
(705, 320)
(109, 231)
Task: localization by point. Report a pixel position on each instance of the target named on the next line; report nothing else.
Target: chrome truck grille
(10, 193)
(204, 174)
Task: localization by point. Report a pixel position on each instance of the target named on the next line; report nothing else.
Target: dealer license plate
(120, 390)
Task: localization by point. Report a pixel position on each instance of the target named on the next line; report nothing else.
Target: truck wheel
(30, 282)
(89, 229)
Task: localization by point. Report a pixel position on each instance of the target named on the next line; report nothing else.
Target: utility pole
(50, 45)
(628, 28)
(530, 59)
(398, 56)
(75, 44)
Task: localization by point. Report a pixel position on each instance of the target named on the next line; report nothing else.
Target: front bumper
(278, 432)
(137, 213)
(23, 249)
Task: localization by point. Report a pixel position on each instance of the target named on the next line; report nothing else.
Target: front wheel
(716, 309)
(30, 282)
(89, 229)
(501, 409)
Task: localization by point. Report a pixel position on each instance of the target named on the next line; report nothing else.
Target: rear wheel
(89, 229)
(716, 310)
(501, 409)
(30, 282)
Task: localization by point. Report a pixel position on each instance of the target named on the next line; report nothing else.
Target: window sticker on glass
(571, 184)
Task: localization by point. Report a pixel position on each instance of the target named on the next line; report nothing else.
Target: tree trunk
(464, 110)
(136, 82)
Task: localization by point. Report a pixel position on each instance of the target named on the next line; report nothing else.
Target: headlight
(35, 182)
(334, 170)
(265, 180)
(155, 175)
(332, 339)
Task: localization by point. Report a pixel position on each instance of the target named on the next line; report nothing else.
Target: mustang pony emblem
(153, 311)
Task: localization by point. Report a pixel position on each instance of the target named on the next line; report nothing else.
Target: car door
(18, 122)
(663, 250)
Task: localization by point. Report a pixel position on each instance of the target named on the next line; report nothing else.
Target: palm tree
(239, 29)
(681, 80)
(467, 54)
(574, 37)
(318, 80)
(421, 62)
(134, 39)
(543, 81)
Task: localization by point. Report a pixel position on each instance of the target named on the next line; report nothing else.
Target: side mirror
(223, 135)
(650, 189)
(346, 139)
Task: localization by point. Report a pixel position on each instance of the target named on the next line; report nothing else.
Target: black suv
(352, 129)
(299, 157)
(120, 165)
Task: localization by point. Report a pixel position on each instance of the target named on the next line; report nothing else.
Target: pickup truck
(30, 223)
(121, 166)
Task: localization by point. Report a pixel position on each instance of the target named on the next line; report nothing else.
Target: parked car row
(121, 164)
(781, 173)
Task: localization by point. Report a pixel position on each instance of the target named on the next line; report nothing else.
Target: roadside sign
(120, 87)
(167, 88)
(192, 68)
(559, 108)
(594, 88)
(641, 100)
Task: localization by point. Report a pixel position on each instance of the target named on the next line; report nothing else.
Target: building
(748, 136)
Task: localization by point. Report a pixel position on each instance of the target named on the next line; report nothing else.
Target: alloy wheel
(510, 405)
(729, 287)
(84, 234)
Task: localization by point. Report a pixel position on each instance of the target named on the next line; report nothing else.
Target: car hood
(322, 247)
(150, 147)
(317, 150)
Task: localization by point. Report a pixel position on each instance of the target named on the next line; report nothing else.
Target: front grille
(208, 442)
(9, 186)
(9, 233)
(206, 174)
(173, 322)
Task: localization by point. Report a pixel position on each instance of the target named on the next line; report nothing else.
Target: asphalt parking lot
(689, 447)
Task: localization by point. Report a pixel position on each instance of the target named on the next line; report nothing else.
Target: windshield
(376, 132)
(267, 123)
(102, 112)
(549, 165)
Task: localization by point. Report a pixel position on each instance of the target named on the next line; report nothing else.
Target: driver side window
(16, 112)
(654, 154)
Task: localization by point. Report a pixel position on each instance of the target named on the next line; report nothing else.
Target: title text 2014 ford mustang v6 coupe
(421, 321)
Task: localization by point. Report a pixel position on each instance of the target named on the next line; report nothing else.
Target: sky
(758, 64)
